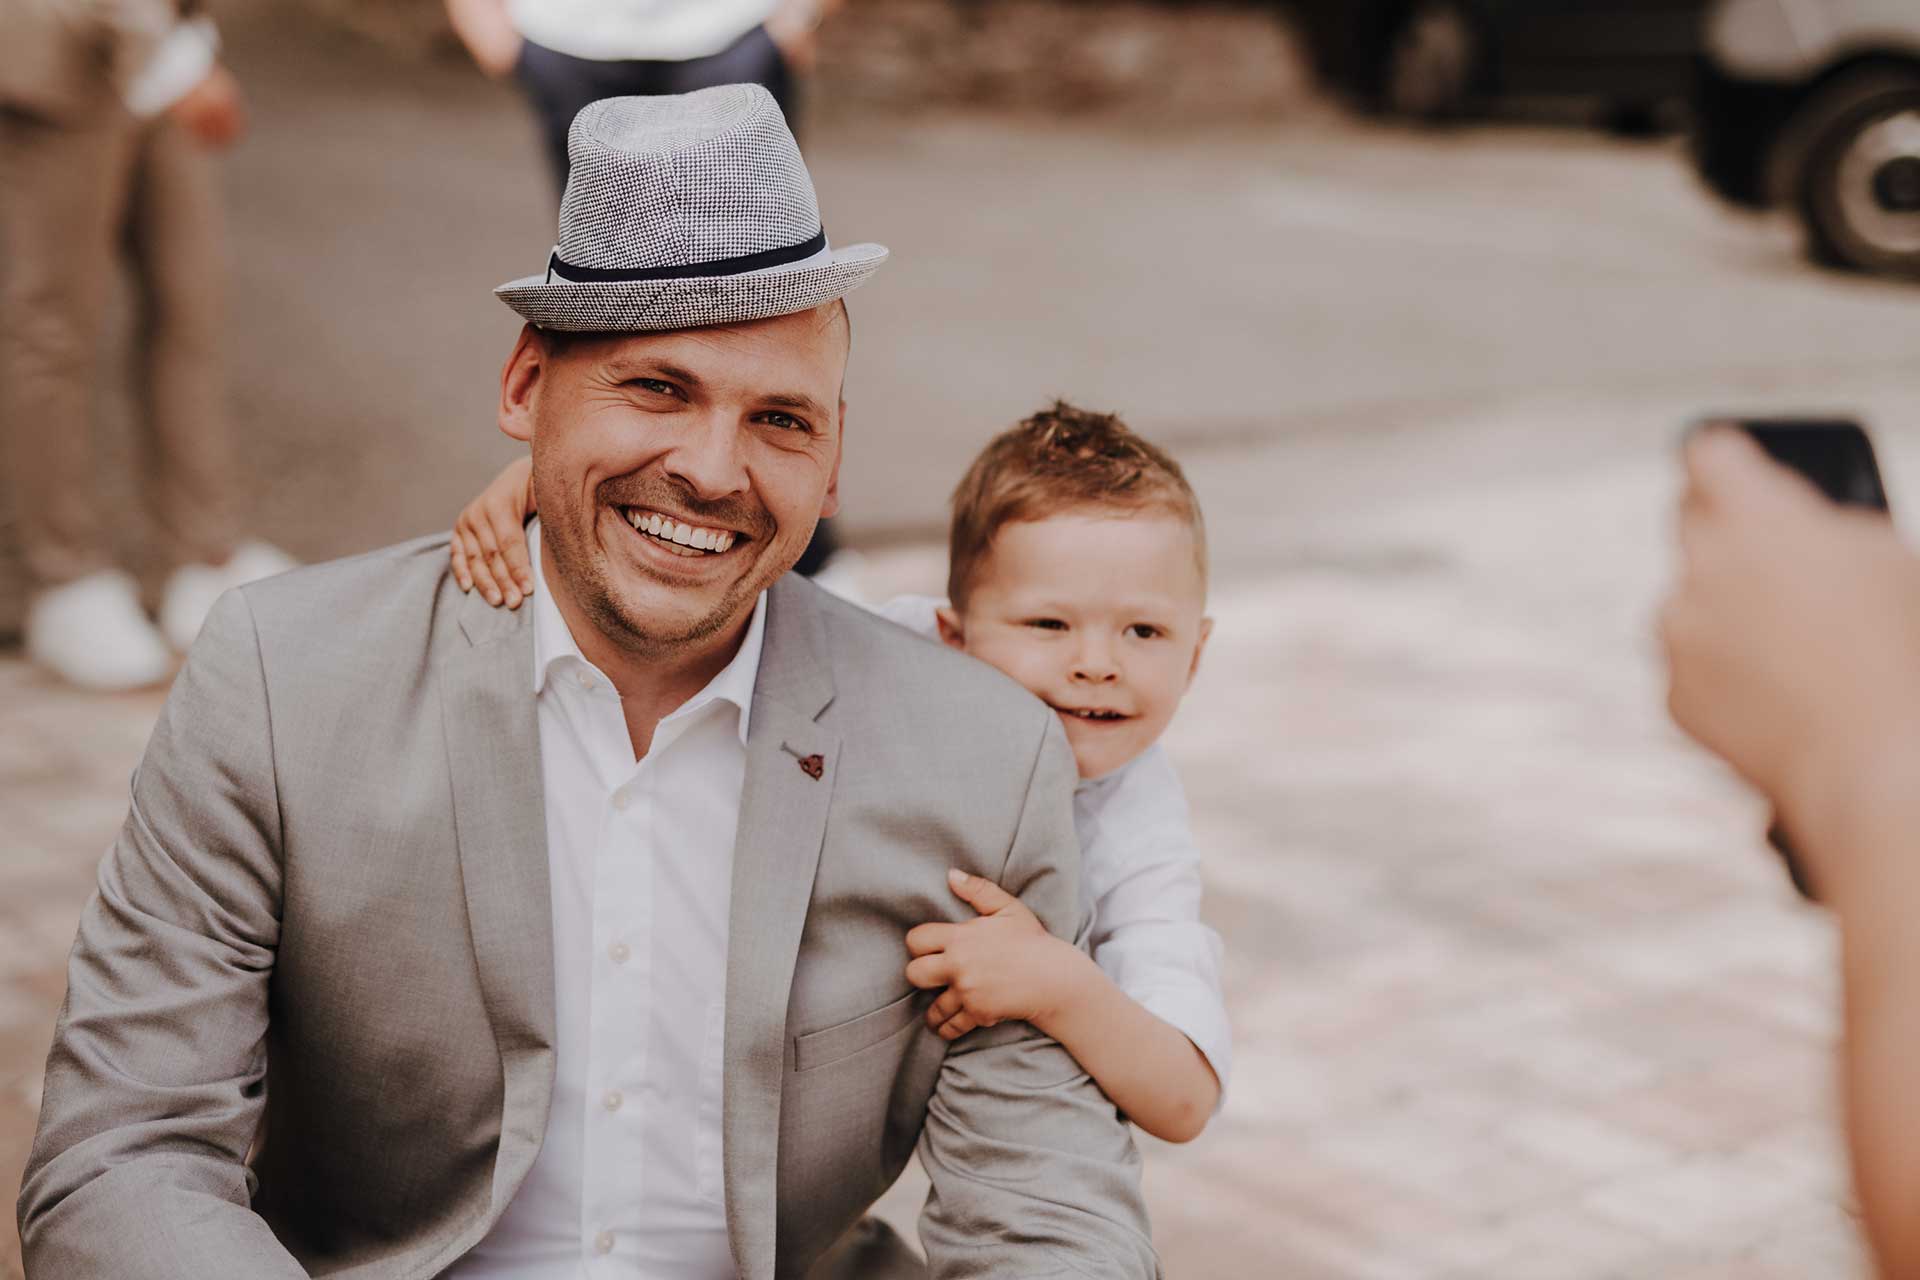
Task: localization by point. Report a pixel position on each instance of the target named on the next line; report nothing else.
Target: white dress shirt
(640, 856)
(1140, 876)
(647, 30)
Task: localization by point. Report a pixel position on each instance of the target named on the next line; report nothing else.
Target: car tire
(1431, 62)
(1849, 166)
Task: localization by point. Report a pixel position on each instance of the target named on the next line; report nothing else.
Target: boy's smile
(1100, 614)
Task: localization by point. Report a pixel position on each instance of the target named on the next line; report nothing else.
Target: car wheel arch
(1855, 64)
(1803, 167)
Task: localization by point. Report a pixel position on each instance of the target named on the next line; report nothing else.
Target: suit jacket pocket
(821, 1048)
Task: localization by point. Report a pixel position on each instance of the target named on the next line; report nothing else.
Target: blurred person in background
(109, 115)
(567, 53)
(1793, 643)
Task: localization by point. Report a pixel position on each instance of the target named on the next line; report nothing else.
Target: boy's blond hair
(1061, 459)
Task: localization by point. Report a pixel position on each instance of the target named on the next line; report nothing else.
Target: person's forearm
(1150, 1070)
(1861, 829)
(1882, 1044)
(487, 31)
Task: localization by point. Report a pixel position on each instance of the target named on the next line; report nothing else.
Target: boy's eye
(1144, 631)
(1047, 624)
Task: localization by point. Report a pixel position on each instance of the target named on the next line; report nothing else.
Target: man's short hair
(1063, 458)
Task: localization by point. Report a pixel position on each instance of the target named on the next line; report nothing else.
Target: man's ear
(830, 505)
(1206, 633)
(520, 382)
(953, 632)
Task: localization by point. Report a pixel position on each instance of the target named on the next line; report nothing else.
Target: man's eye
(784, 421)
(1047, 624)
(653, 385)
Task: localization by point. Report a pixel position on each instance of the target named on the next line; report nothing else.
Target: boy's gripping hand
(490, 538)
(1002, 966)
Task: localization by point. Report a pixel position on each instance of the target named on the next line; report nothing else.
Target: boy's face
(1100, 614)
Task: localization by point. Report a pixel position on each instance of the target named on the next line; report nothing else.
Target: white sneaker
(92, 632)
(192, 588)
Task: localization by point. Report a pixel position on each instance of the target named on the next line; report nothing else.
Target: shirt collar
(553, 643)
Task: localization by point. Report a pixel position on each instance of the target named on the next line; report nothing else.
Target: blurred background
(1422, 293)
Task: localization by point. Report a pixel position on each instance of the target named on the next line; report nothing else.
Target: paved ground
(1517, 993)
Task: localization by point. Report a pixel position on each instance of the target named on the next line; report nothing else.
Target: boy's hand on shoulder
(1000, 967)
(489, 547)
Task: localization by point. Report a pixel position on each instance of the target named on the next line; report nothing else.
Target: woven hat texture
(683, 182)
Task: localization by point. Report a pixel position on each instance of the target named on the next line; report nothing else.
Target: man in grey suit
(444, 940)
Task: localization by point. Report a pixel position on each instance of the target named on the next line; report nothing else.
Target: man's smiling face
(679, 474)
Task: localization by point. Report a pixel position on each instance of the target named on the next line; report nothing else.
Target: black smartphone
(1836, 455)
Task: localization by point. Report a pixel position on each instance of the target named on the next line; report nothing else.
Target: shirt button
(613, 1100)
(620, 952)
(603, 1243)
(621, 799)
(586, 680)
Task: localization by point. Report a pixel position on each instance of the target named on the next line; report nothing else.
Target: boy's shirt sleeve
(1141, 871)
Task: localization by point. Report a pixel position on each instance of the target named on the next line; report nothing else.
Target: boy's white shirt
(1140, 875)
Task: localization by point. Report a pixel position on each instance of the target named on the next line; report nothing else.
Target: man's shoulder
(406, 568)
(882, 664)
(367, 603)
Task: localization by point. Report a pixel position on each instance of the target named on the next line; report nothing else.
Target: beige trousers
(76, 195)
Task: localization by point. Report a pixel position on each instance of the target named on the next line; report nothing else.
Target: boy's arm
(1145, 1015)
(1005, 966)
(1033, 1173)
(1148, 1067)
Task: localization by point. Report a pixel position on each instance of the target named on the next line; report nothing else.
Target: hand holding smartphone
(1836, 456)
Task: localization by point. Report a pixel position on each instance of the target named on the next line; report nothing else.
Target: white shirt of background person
(646, 30)
(640, 857)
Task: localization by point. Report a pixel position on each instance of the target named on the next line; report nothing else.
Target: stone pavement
(1517, 992)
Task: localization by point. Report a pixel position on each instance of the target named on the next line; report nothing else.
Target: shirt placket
(614, 1156)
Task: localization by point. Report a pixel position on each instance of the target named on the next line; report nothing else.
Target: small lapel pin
(813, 766)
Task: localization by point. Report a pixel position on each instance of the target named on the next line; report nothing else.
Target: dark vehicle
(1814, 106)
(1432, 59)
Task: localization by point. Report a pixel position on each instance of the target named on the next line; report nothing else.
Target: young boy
(1077, 566)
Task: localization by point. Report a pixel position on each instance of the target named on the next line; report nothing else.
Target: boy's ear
(953, 632)
(1206, 633)
(520, 382)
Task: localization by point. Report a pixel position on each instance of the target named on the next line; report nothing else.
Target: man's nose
(708, 458)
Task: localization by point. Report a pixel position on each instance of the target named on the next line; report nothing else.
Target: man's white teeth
(686, 535)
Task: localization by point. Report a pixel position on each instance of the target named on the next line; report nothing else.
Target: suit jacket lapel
(783, 817)
(493, 751)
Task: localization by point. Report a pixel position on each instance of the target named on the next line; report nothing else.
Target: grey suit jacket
(309, 1020)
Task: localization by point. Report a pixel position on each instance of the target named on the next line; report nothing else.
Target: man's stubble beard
(585, 578)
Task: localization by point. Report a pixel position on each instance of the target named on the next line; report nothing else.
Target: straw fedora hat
(686, 210)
